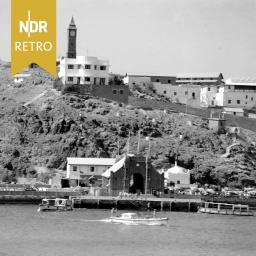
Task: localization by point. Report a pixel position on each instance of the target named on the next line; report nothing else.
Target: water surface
(24, 231)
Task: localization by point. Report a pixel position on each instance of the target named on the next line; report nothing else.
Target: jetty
(138, 203)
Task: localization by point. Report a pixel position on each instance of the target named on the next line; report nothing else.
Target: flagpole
(128, 146)
(138, 149)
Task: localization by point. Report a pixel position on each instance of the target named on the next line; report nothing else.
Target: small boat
(57, 204)
(133, 218)
(225, 209)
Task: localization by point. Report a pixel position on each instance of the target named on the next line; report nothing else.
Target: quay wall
(102, 202)
(163, 204)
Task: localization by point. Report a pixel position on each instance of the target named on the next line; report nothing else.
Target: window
(209, 88)
(74, 168)
(175, 93)
(91, 168)
(164, 92)
(70, 66)
(95, 67)
(157, 80)
(87, 79)
(87, 66)
(193, 95)
(234, 113)
(251, 98)
(121, 91)
(238, 101)
(102, 80)
(102, 67)
(220, 123)
(178, 181)
(246, 96)
(169, 81)
(229, 101)
(70, 79)
(114, 91)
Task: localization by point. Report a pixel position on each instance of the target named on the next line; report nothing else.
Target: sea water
(26, 232)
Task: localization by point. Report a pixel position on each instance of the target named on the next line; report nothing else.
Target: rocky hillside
(39, 128)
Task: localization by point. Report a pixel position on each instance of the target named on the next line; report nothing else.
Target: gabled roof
(196, 75)
(114, 168)
(90, 161)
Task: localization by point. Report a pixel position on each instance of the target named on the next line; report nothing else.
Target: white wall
(82, 72)
(180, 93)
(85, 169)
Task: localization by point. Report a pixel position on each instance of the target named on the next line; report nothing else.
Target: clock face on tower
(72, 33)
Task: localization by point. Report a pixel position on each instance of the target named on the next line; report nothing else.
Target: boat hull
(43, 208)
(150, 221)
(224, 212)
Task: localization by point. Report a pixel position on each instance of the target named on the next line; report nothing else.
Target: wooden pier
(163, 204)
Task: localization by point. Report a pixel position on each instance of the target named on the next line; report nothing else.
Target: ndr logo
(31, 26)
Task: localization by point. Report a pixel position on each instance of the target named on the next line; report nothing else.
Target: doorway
(136, 184)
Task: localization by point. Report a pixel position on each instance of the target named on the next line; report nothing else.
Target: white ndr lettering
(33, 26)
(33, 46)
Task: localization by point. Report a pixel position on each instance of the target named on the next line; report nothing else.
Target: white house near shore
(87, 170)
(178, 177)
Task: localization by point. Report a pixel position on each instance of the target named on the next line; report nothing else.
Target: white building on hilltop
(234, 93)
(82, 69)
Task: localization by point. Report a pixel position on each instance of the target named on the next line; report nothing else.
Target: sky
(157, 36)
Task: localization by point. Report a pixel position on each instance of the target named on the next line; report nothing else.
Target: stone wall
(119, 93)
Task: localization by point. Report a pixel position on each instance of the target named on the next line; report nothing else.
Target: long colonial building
(234, 93)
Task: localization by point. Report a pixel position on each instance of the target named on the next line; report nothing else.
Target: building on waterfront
(86, 171)
(133, 174)
(178, 177)
(235, 93)
(82, 69)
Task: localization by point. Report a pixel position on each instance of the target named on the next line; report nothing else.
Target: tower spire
(72, 24)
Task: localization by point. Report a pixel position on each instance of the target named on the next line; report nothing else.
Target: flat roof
(22, 75)
(149, 75)
(90, 161)
(234, 110)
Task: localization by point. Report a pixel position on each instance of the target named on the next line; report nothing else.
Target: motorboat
(57, 204)
(225, 209)
(134, 218)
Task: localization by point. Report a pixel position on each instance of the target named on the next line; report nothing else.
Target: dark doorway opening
(137, 184)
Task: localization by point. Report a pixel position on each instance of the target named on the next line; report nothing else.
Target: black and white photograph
(142, 142)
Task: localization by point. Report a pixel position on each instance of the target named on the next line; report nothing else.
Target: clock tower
(72, 40)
